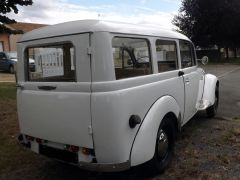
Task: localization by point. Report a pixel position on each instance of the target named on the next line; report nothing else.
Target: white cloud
(173, 1)
(57, 11)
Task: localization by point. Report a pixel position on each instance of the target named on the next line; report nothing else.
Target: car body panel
(63, 114)
(142, 151)
(210, 86)
(113, 138)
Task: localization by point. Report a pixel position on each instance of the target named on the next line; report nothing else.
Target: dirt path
(6, 77)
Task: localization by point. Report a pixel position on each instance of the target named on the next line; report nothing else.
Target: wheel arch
(210, 85)
(143, 147)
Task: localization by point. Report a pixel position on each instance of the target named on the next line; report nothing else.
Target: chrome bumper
(105, 167)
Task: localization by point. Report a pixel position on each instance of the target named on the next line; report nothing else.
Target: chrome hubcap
(162, 144)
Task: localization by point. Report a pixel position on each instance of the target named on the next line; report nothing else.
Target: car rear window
(51, 63)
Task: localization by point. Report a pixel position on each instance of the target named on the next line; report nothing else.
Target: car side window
(2, 56)
(166, 55)
(187, 54)
(131, 57)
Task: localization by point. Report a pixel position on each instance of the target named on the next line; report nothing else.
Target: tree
(210, 22)
(7, 6)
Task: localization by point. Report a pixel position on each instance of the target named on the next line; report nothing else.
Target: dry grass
(207, 150)
(10, 151)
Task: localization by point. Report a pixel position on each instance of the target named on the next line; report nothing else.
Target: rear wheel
(164, 145)
(212, 110)
(11, 69)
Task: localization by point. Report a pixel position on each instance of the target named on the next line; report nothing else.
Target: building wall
(1, 46)
(4, 38)
(13, 41)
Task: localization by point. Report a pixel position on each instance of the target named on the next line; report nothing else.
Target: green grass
(7, 91)
(9, 149)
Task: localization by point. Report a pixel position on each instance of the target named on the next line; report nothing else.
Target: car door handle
(180, 73)
(19, 86)
(187, 80)
(47, 88)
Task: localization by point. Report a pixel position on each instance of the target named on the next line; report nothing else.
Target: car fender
(143, 148)
(209, 90)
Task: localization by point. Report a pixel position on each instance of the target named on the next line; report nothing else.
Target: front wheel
(164, 145)
(11, 69)
(212, 110)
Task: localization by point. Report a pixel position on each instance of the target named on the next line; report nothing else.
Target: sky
(147, 12)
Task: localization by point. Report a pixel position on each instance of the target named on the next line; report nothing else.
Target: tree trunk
(235, 53)
(219, 53)
(227, 53)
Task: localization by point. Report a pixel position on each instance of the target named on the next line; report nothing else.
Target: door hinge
(20, 86)
(90, 131)
(89, 50)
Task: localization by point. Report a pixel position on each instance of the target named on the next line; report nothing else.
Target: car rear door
(54, 97)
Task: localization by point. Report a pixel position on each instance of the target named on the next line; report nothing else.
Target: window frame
(129, 36)
(177, 54)
(3, 56)
(44, 45)
(192, 51)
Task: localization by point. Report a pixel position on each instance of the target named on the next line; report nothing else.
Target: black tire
(164, 151)
(212, 110)
(11, 69)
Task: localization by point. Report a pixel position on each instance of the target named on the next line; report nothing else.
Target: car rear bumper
(71, 158)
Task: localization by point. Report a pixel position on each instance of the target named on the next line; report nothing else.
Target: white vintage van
(108, 96)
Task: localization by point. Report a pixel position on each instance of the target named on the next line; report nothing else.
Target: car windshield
(12, 55)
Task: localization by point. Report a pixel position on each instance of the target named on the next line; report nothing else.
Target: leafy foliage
(7, 6)
(210, 22)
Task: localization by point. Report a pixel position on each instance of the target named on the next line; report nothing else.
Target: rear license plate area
(58, 154)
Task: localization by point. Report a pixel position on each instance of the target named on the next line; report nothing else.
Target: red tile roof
(25, 27)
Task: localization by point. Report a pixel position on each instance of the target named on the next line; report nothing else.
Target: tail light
(72, 148)
(86, 151)
(29, 138)
(38, 140)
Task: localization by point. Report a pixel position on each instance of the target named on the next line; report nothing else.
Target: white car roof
(83, 26)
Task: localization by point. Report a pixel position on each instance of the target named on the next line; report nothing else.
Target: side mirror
(204, 60)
